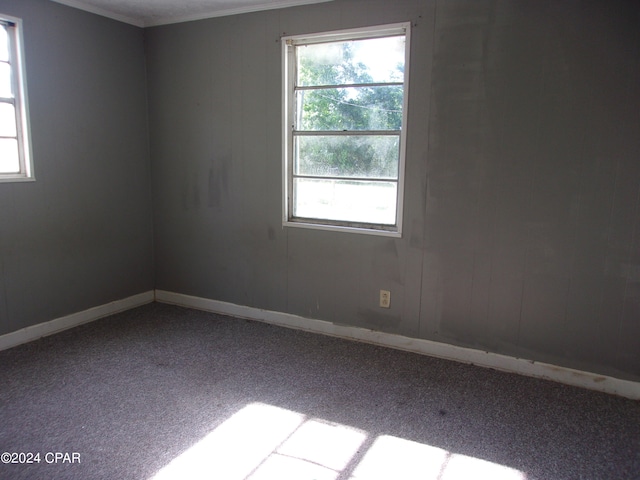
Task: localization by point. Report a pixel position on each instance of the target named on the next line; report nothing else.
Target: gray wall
(81, 234)
(522, 210)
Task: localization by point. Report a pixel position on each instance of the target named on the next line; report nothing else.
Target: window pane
(5, 81)
(377, 60)
(372, 156)
(345, 200)
(356, 108)
(4, 44)
(7, 120)
(9, 162)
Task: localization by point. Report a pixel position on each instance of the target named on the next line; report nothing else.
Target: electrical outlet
(385, 298)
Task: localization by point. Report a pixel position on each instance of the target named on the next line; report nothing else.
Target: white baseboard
(34, 332)
(568, 376)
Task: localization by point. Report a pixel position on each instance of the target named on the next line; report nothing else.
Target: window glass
(5, 80)
(373, 60)
(346, 200)
(353, 108)
(9, 160)
(4, 44)
(348, 156)
(7, 120)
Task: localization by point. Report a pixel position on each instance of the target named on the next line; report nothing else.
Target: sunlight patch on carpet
(264, 442)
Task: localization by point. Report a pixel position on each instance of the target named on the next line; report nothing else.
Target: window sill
(342, 228)
(15, 179)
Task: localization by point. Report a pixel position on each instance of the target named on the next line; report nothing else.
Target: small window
(15, 151)
(344, 115)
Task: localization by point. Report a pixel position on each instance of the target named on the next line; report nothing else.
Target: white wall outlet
(385, 298)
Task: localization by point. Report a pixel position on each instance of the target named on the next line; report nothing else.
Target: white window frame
(19, 100)
(288, 120)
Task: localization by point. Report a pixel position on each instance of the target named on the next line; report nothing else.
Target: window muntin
(15, 152)
(345, 107)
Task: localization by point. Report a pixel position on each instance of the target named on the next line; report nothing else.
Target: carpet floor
(163, 392)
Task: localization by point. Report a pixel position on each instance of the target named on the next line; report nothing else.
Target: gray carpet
(160, 389)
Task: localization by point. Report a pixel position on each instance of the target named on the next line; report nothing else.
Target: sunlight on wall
(263, 442)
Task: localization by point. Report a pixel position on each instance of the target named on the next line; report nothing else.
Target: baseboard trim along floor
(56, 325)
(591, 381)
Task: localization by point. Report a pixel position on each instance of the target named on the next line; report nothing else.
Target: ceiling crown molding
(160, 19)
(80, 5)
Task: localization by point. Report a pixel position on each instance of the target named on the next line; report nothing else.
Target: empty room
(320, 239)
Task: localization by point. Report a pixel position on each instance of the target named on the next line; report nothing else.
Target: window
(344, 116)
(15, 152)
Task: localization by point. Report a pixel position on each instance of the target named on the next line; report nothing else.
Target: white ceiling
(147, 13)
